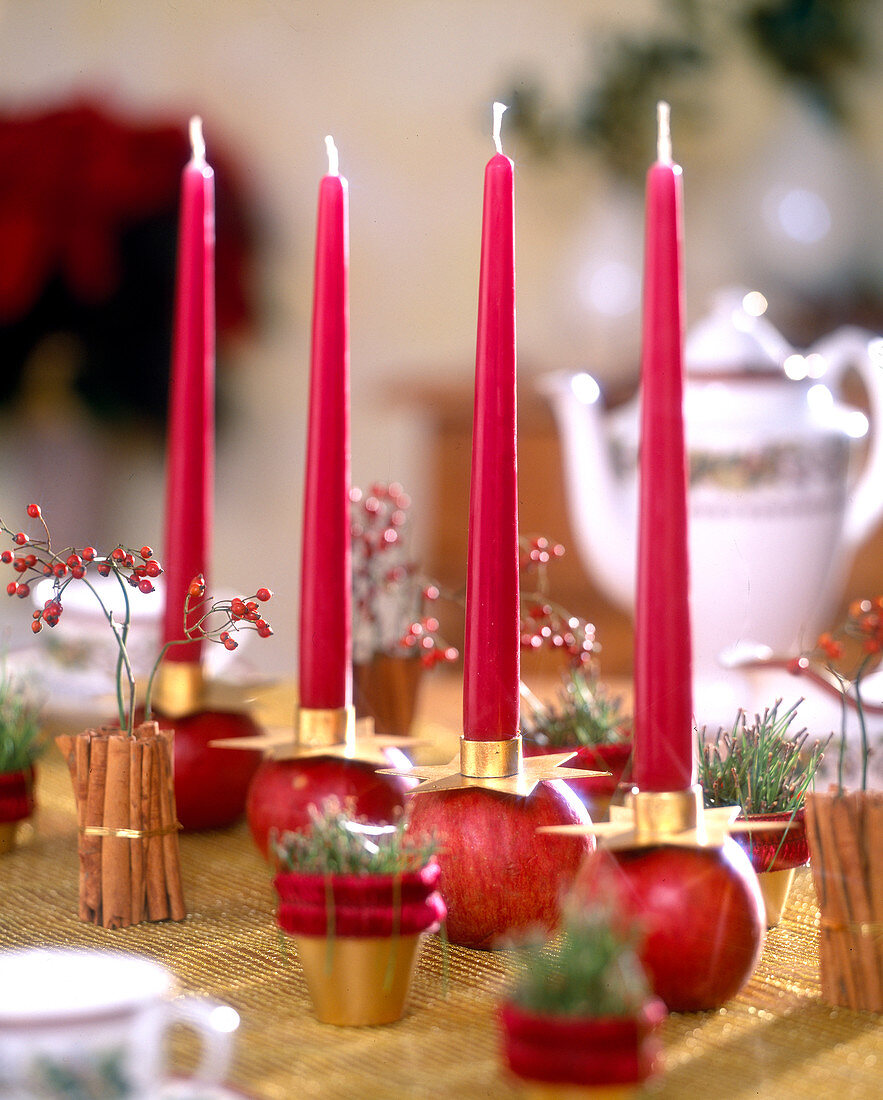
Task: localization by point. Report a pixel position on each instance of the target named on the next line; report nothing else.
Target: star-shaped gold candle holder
(679, 819)
(493, 765)
(324, 732)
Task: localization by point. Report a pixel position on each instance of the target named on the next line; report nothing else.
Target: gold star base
(322, 732)
(493, 765)
(678, 819)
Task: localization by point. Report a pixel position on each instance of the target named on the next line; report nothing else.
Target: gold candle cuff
(316, 726)
(179, 688)
(658, 815)
(490, 759)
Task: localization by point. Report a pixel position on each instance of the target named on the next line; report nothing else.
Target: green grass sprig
(761, 767)
(593, 970)
(584, 713)
(20, 735)
(339, 844)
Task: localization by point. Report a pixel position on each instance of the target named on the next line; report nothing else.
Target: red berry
(146, 552)
(230, 644)
(31, 559)
(224, 635)
(264, 629)
(34, 511)
(118, 554)
(152, 569)
(21, 538)
(19, 565)
(104, 568)
(263, 594)
(88, 553)
(10, 588)
(59, 569)
(36, 626)
(145, 586)
(47, 569)
(129, 559)
(6, 556)
(78, 571)
(22, 590)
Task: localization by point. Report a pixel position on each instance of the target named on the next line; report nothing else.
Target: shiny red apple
(501, 878)
(211, 784)
(282, 792)
(703, 917)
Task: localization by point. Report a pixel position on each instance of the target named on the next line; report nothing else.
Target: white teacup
(89, 1025)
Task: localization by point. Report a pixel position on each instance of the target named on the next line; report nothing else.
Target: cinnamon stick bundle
(128, 843)
(844, 830)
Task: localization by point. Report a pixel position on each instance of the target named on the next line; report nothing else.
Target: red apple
(211, 784)
(283, 791)
(595, 792)
(703, 916)
(500, 877)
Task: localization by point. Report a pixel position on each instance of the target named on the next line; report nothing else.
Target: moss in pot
(357, 899)
(766, 770)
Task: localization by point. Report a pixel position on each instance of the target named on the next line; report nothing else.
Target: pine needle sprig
(339, 844)
(761, 767)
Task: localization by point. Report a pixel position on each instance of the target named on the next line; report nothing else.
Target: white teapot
(776, 507)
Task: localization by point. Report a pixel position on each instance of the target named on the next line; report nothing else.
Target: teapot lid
(735, 338)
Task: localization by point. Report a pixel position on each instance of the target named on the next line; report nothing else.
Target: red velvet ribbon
(582, 1050)
(360, 905)
(16, 795)
(776, 851)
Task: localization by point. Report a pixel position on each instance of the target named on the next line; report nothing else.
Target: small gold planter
(358, 981)
(775, 886)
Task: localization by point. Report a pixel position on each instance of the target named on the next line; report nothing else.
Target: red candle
(663, 719)
(326, 597)
(191, 433)
(491, 652)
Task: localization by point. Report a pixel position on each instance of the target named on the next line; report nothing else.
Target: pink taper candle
(663, 713)
(491, 654)
(191, 434)
(326, 599)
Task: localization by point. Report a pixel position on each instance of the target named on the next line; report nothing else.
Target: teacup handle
(863, 350)
(215, 1023)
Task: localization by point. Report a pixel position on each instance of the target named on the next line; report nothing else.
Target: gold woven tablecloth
(777, 1039)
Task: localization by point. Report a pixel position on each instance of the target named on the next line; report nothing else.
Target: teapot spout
(604, 528)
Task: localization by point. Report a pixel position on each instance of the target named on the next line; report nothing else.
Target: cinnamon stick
(856, 863)
(136, 821)
(116, 879)
(93, 781)
(157, 898)
(171, 857)
(835, 962)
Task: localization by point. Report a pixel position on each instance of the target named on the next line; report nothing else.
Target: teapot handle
(851, 346)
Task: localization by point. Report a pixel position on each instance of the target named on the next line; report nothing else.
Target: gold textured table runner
(776, 1039)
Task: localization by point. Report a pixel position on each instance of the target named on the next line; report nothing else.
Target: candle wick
(197, 141)
(663, 139)
(499, 108)
(333, 157)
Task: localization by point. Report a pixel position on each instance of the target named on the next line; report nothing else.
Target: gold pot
(358, 981)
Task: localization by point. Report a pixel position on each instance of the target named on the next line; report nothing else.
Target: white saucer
(184, 1088)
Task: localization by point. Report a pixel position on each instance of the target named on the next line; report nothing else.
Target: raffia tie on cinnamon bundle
(128, 843)
(844, 831)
